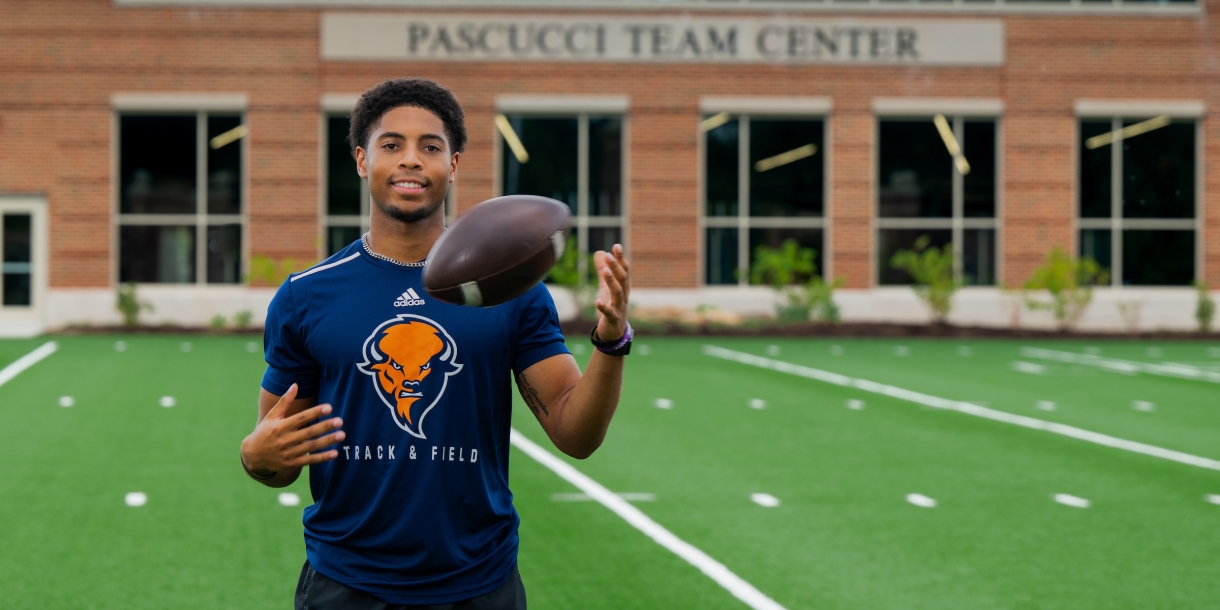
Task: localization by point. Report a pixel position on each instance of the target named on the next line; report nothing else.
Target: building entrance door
(23, 265)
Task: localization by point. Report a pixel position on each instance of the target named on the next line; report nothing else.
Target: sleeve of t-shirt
(288, 361)
(540, 337)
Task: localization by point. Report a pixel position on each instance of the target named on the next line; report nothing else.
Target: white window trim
(179, 102)
(563, 104)
(175, 103)
(958, 223)
(761, 106)
(893, 107)
(36, 207)
(582, 108)
(1117, 111)
(1106, 109)
(746, 107)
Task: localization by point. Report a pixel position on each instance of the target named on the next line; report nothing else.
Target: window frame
(200, 106)
(582, 108)
(1117, 111)
(743, 109)
(956, 112)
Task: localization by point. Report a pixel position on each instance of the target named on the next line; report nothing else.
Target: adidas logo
(408, 299)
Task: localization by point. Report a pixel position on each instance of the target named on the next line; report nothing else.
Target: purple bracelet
(619, 345)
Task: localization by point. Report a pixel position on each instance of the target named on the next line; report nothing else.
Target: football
(497, 251)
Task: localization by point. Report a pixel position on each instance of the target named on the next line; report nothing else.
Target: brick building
(184, 144)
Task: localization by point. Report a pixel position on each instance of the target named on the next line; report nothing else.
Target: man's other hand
(285, 440)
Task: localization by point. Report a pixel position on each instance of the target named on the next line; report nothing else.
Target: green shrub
(791, 271)
(129, 305)
(1205, 310)
(269, 272)
(218, 322)
(566, 273)
(1069, 283)
(242, 319)
(931, 271)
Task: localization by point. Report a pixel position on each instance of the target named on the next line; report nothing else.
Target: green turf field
(843, 536)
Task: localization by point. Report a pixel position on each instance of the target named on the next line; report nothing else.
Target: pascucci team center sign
(381, 37)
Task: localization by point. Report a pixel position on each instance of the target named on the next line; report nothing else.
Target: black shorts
(317, 592)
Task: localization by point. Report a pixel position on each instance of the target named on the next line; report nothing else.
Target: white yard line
(26, 361)
(715, 570)
(1130, 367)
(959, 406)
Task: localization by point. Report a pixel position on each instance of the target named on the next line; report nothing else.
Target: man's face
(408, 164)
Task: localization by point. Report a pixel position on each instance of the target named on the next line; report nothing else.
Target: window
(181, 198)
(922, 191)
(574, 159)
(347, 201)
(764, 183)
(347, 195)
(1137, 199)
(16, 258)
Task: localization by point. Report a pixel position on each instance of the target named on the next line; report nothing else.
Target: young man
(400, 404)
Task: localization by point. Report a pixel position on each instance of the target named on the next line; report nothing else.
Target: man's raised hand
(285, 440)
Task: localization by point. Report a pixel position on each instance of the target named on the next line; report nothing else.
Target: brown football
(497, 251)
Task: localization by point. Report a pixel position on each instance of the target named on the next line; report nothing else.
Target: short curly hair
(418, 92)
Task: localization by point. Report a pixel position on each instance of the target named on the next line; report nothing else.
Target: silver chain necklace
(364, 241)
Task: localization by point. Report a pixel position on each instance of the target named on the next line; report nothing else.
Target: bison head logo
(410, 359)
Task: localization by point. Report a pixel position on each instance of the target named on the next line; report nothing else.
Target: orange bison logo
(410, 359)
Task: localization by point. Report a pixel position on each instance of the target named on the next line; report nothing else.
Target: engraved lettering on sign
(567, 38)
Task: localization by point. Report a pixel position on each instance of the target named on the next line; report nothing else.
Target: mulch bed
(575, 328)
(753, 328)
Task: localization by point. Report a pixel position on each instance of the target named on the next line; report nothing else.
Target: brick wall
(60, 62)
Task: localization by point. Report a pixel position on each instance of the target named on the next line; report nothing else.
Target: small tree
(269, 272)
(931, 271)
(1069, 283)
(129, 305)
(791, 271)
(1205, 310)
(242, 319)
(566, 273)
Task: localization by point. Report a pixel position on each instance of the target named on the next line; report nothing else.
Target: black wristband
(618, 347)
(251, 474)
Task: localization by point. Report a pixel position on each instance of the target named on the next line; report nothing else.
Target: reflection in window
(157, 167)
(16, 264)
(605, 168)
(721, 258)
(721, 168)
(782, 178)
(164, 237)
(1143, 231)
(551, 168)
(915, 171)
(785, 168)
(922, 192)
(1159, 173)
(157, 254)
(224, 167)
(1158, 258)
(224, 254)
(574, 159)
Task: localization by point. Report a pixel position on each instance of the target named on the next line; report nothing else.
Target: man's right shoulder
(329, 266)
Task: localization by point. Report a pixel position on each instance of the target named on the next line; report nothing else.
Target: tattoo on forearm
(532, 399)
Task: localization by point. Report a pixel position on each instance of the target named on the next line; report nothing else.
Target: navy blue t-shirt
(416, 509)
